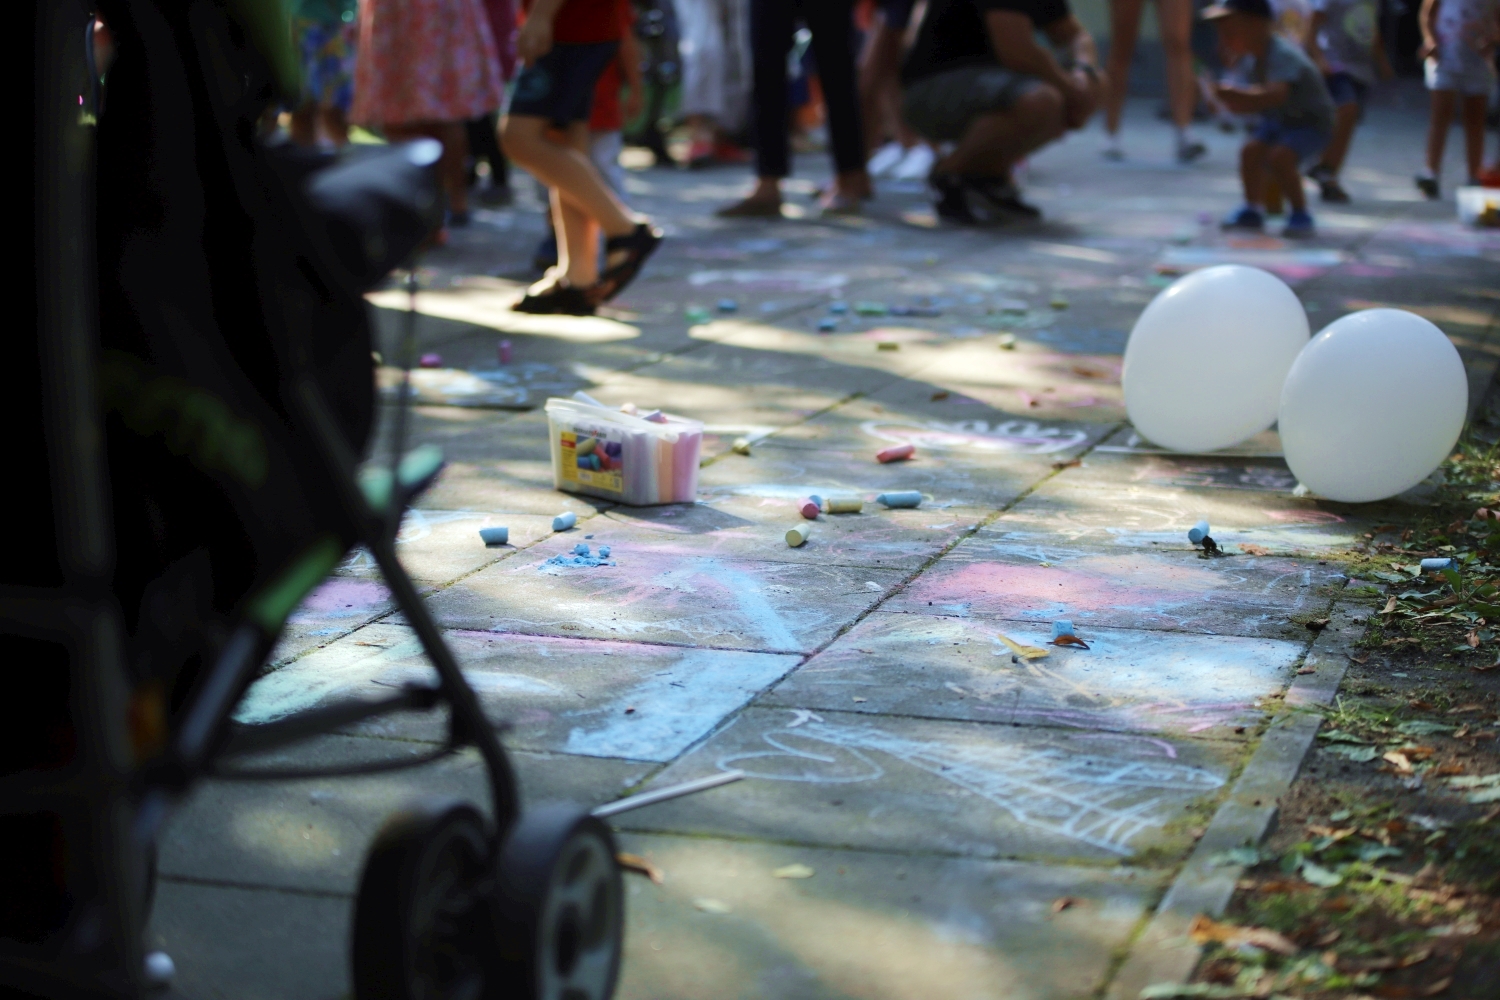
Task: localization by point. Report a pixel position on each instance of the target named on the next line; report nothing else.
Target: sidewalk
(976, 827)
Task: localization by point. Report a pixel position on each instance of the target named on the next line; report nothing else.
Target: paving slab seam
(1162, 952)
(219, 883)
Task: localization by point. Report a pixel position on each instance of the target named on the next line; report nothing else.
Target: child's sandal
(636, 245)
(560, 299)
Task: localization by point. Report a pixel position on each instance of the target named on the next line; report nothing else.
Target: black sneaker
(1428, 186)
(1332, 191)
(950, 198)
(1001, 198)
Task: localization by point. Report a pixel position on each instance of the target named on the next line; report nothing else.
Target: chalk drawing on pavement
(1023, 436)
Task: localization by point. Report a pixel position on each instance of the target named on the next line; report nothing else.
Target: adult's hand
(534, 40)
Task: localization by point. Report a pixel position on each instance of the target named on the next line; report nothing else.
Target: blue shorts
(1345, 89)
(560, 85)
(1306, 141)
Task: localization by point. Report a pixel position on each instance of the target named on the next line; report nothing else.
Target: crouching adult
(979, 77)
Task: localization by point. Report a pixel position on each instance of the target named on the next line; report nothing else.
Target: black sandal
(560, 299)
(638, 244)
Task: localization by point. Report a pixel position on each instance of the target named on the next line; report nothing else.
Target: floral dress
(424, 61)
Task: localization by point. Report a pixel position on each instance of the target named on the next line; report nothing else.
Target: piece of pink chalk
(896, 453)
(505, 352)
(431, 361)
(809, 509)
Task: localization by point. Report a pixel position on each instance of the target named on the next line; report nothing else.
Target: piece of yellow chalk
(797, 534)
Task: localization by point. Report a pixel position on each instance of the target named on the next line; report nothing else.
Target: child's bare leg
(1281, 162)
(577, 232)
(565, 168)
(1443, 105)
(1345, 117)
(336, 125)
(1475, 106)
(304, 126)
(1253, 171)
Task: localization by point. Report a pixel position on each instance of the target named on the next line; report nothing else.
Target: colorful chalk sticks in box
(638, 460)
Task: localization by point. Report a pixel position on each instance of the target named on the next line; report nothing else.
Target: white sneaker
(885, 159)
(916, 164)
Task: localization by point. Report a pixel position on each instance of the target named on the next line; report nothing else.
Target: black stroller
(195, 392)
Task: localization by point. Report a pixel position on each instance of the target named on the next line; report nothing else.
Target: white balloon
(1205, 362)
(1372, 405)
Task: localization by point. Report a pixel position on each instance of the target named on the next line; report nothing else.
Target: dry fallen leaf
(1333, 834)
(639, 865)
(1472, 639)
(1399, 759)
(1441, 986)
(1064, 903)
(708, 905)
(1360, 659)
(1466, 709)
(1485, 670)
(1307, 670)
(1205, 929)
(1390, 605)
(1024, 652)
(939, 395)
(1069, 640)
(1254, 550)
(1068, 464)
(793, 871)
(1329, 938)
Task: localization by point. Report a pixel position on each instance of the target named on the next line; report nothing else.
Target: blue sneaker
(1244, 218)
(1299, 225)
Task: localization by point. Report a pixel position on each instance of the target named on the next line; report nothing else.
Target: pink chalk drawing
(1026, 437)
(341, 598)
(1099, 799)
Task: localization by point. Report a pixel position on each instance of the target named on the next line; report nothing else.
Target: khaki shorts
(940, 107)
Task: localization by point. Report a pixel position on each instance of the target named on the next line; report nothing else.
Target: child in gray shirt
(1343, 39)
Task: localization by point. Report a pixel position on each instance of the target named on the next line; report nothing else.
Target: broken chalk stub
(1198, 532)
(604, 552)
(797, 534)
(896, 453)
(728, 305)
(809, 508)
(581, 549)
(494, 536)
(827, 324)
(844, 505)
(741, 446)
(564, 521)
(1060, 628)
(1428, 565)
(430, 361)
(901, 498)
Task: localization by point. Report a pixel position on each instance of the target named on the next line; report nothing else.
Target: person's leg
(1124, 26)
(1253, 172)
(1345, 117)
(702, 52)
(832, 24)
(993, 142)
(577, 232)
(770, 41)
(304, 127)
(1176, 19)
(335, 124)
(1281, 164)
(1474, 108)
(565, 168)
(1443, 105)
(450, 168)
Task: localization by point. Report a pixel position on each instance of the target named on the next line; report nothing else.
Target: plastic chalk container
(1478, 206)
(605, 453)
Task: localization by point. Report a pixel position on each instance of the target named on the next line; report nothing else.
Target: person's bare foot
(764, 202)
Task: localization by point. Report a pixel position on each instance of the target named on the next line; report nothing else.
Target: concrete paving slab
(991, 576)
(335, 608)
(312, 835)
(902, 784)
(896, 927)
(773, 471)
(439, 546)
(744, 527)
(580, 696)
(665, 596)
(251, 944)
(1074, 508)
(1128, 680)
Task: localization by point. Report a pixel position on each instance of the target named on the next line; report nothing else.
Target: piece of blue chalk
(564, 521)
(580, 549)
(817, 500)
(494, 536)
(728, 305)
(1198, 532)
(1431, 564)
(588, 536)
(838, 307)
(903, 498)
(1060, 628)
(604, 552)
(827, 324)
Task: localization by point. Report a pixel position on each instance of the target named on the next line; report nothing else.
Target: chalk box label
(594, 460)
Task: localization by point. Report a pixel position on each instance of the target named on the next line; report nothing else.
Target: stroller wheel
(559, 908)
(420, 920)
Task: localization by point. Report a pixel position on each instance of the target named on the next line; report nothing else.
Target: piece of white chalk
(1061, 627)
(797, 534)
(1198, 532)
(495, 536)
(1431, 564)
(564, 521)
(902, 498)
